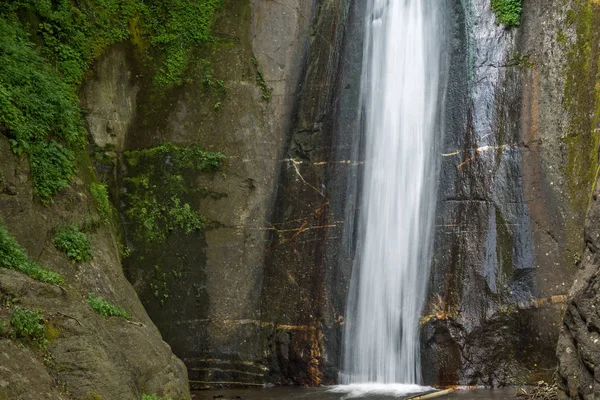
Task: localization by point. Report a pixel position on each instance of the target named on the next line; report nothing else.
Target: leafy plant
(106, 308)
(103, 204)
(28, 325)
(508, 11)
(13, 256)
(73, 243)
(39, 111)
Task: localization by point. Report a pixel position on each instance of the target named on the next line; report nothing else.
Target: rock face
(309, 257)
(578, 351)
(203, 289)
(87, 353)
(520, 156)
(258, 294)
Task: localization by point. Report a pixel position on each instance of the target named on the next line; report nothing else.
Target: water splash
(358, 390)
(401, 88)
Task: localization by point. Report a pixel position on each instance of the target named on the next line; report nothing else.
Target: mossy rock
(92, 396)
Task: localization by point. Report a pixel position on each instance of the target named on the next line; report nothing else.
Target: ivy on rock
(46, 47)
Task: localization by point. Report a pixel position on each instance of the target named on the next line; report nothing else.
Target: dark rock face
(235, 306)
(578, 348)
(308, 264)
(509, 220)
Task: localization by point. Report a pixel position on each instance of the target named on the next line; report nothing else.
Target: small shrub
(105, 308)
(103, 204)
(73, 243)
(28, 325)
(13, 256)
(508, 11)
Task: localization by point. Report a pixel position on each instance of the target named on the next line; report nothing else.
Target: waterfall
(401, 110)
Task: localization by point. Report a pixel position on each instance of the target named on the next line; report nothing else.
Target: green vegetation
(13, 256)
(43, 62)
(158, 285)
(523, 60)
(38, 111)
(174, 27)
(73, 243)
(508, 11)
(156, 191)
(154, 397)
(103, 204)
(105, 308)
(260, 80)
(73, 34)
(28, 325)
(189, 157)
(582, 103)
(92, 396)
(561, 37)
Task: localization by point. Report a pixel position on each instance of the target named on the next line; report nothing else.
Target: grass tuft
(106, 308)
(13, 256)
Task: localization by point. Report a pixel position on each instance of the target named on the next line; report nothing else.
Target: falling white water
(401, 88)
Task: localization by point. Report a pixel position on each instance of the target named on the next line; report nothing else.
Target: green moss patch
(103, 204)
(106, 308)
(157, 191)
(73, 243)
(582, 103)
(13, 256)
(154, 397)
(508, 11)
(260, 81)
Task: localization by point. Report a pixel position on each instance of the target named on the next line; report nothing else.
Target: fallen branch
(543, 391)
(431, 395)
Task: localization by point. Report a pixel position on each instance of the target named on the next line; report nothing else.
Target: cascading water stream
(401, 108)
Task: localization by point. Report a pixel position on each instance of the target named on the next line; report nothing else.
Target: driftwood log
(433, 395)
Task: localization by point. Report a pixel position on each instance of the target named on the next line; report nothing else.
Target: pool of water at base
(295, 393)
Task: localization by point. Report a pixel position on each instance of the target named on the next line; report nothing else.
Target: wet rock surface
(578, 347)
(307, 267)
(509, 222)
